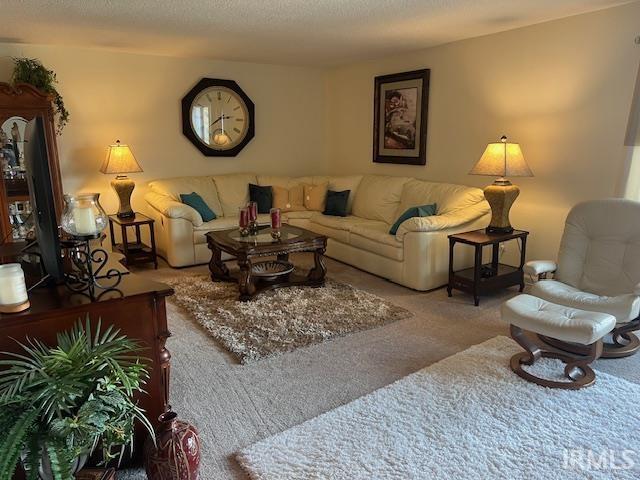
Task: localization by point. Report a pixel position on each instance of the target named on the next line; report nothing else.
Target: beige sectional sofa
(417, 256)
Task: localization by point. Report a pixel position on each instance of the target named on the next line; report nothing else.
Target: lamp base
(124, 186)
(17, 308)
(500, 195)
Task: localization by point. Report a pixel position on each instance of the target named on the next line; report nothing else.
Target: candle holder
(244, 222)
(13, 289)
(253, 218)
(87, 267)
(276, 223)
(83, 215)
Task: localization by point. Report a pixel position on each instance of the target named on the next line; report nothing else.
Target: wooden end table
(248, 250)
(134, 252)
(482, 279)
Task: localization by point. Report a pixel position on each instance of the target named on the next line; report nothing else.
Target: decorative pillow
(262, 195)
(289, 200)
(422, 211)
(337, 202)
(315, 196)
(196, 202)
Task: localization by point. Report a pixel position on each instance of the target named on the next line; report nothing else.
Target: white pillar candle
(84, 220)
(13, 290)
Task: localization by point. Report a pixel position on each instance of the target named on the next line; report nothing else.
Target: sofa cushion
(283, 181)
(412, 212)
(233, 191)
(203, 186)
(337, 228)
(336, 204)
(196, 201)
(378, 197)
(315, 196)
(448, 196)
(289, 199)
(262, 195)
(349, 182)
(375, 238)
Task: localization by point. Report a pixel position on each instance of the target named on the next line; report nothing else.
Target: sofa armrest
(540, 268)
(445, 221)
(172, 209)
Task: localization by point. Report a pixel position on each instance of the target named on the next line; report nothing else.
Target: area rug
(280, 320)
(465, 417)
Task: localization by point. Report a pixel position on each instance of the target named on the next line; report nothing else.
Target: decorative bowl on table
(271, 269)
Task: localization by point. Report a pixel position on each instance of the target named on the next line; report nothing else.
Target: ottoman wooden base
(577, 370)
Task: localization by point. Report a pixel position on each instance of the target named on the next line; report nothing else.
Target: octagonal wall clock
(218, 117)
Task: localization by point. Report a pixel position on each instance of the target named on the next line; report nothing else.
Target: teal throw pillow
(336, 204)
(196, 202)
(421, 211)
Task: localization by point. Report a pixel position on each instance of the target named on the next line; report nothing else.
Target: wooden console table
(136, 307)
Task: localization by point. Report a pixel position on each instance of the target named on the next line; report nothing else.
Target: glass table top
(287, 232)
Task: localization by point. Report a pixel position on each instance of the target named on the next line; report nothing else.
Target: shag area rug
(465, 417)
(280, 320)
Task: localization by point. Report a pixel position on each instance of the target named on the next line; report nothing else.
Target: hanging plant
(31, 71)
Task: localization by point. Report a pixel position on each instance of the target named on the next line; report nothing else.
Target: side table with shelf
(134, 252)
(486, 278)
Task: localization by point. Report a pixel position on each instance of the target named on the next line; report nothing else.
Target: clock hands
(221, 117)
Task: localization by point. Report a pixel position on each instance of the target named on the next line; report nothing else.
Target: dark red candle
(276, 218)
(244, 217)
(253, 211)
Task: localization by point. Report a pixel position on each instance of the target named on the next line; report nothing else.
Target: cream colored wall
(136, 98)
(561, 89)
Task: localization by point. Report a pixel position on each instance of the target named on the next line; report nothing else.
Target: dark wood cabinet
(136, 307)
(18, 105)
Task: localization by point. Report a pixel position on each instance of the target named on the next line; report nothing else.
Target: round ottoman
(526, 313)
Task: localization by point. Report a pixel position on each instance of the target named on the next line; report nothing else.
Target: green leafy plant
(66, 400)
(31, 71)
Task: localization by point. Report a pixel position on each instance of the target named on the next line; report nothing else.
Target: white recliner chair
(598, 270)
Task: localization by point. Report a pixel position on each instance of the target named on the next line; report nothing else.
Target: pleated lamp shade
(632, 138)
(502, 159)
(120, 159)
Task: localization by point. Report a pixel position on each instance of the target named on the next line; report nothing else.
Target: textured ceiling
(303, 32)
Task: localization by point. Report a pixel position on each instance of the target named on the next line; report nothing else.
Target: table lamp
(501, 159)
(120, 160)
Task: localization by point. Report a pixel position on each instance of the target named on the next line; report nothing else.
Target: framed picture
(401, 105)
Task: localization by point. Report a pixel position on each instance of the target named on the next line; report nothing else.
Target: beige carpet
(282, 320)
(237, 405)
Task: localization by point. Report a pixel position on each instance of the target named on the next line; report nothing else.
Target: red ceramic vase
(176, 454)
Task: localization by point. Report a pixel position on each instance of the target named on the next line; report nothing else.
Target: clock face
(219, 117)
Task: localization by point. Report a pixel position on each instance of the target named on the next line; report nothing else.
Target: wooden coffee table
(250, 252)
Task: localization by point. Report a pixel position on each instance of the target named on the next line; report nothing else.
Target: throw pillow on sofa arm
(421, 211)
(196, 202)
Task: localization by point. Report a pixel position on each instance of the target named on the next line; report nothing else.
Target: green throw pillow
(196, 202)
(336, 204)
(421, 211)
(262, 195)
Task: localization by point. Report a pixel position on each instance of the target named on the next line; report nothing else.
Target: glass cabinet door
(15, 187)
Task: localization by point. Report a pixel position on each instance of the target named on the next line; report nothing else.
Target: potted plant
(57, 404)
(33, 72)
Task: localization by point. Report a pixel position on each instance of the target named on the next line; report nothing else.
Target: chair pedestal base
(577, 370)
(624, 343)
